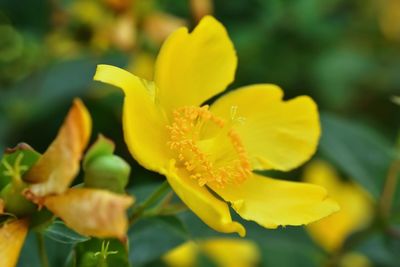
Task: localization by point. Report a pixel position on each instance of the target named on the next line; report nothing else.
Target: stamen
(220, 159)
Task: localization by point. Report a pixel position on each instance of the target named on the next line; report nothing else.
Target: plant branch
(159, 192)
(389, 189)
(42, 250)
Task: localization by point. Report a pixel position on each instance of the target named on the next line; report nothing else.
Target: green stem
(389, 188)
(42, 250)
(159, 192)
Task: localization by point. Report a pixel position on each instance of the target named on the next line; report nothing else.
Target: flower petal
(184, 255)
(143, 122)
(225, 252)
(277, 134)
(272, 202)
(212, 211)
(58, 166)
(92, 212)
(356, 207)
(230, 252)
(193, 67)
(12, 237)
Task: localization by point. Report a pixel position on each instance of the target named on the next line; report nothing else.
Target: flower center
(207, 147)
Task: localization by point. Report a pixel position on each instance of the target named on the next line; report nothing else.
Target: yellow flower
(356, 207)
(207, 151)
(226, 252)
(389, 18)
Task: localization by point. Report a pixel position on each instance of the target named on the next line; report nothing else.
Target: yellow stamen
(220, 159)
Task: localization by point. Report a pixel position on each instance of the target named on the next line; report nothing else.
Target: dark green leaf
(150, 238)
(57, 252)
(59, 232)
(358, 150)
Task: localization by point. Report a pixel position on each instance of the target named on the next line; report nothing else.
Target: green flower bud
(107, 172)
(15, 202)
(103, 169)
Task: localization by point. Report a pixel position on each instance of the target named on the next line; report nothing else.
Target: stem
(390, 185)
(159, 192)
(390, 188)
(42, 250)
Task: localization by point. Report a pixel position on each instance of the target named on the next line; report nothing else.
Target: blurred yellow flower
(356, 207)
(389, 19)
(159, 25)
(143, 65)
(88, 211)
(204, 151)
(225, 252)
(201, 8)
(354, 259)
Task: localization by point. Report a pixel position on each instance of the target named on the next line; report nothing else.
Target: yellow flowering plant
(209, 153)
(89, 210)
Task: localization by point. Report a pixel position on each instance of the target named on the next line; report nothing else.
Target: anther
(184, 135)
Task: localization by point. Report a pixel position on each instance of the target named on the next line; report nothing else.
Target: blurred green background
(343, 53)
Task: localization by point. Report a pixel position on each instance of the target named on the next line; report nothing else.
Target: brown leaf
(56, 169)
(92, 212)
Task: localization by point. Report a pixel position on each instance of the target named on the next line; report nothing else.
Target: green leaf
(59, 232)
(29, 158)
(41, 219)
(380, 250)
(153, 237)
(56, 252)
(358, 150)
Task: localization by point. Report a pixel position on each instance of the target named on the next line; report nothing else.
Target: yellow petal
(143, 122)
(356, 207)
(92, 212)
(272, 202)
(191, 68)
(277, 134)
(230, 252)
(225, 252)
(58, 166)
(212, 211)
(184, 255)
(12, 237)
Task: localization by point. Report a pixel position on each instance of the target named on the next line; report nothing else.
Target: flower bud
(107, 172)
(15, 202)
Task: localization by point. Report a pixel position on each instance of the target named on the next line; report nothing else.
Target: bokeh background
(343, 53)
